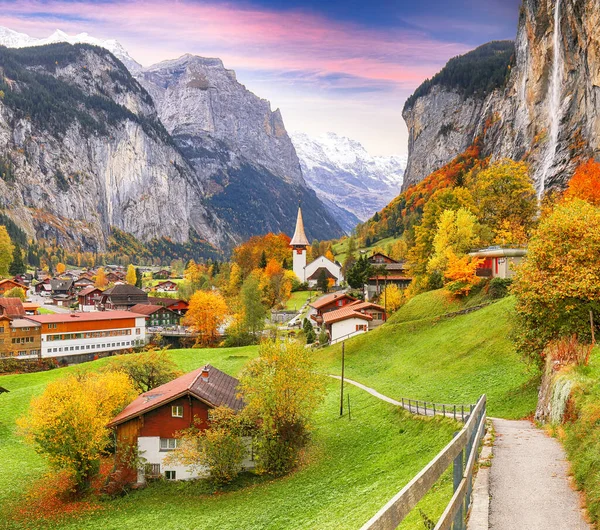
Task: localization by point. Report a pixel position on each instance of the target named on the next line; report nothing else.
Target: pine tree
(263, 260)
(18, 265)
(138, 278)
(322, 283)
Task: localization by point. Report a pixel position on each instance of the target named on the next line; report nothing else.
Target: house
(82, 282)
(81, 336)
(122, 297)
(353, 319)
(88, 297)
(167, 286)
(62, 291)
(162, 274)
(178, 306)
(113, 277)
(18, 336)
(387, 271)
(8, 284)
(31, 308)
(310, 273)
(151, 422)
(43, 288)
(25, 278)
(157, 315)
(329, 302)
(498, 262)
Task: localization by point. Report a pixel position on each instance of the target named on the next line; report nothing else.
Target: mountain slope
(346, 177)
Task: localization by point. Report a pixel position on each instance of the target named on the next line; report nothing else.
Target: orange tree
(559, 282)
(585, 183)
(248, 255)
(67, 423)
(206, 313)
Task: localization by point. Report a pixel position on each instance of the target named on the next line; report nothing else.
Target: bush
(498, 288)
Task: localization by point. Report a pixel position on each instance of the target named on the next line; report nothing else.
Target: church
(310, 273)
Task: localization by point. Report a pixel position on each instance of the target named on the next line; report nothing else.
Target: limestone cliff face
(547, 113)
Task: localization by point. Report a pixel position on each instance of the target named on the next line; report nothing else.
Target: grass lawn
(340, 249)
(298, 299)
(45, 311)
(447, 361)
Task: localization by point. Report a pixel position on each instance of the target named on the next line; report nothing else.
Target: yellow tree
(101, 280)
(461, 274)
(391, 298)
(329, 255)
(6, 251)
(131, 277)
(207, 312)
(61, 268)
(275, 283)
(67, 423)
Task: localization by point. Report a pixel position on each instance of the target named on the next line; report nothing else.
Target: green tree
(254, 310)
(6, 251)
(18, 265)
(139, 277)
(16, 292)
(322, 283)
(359, 273)
(263, 260)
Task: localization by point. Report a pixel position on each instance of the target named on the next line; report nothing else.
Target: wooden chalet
(329, 302)
(157, 315)
(387, 271)
(174, 304)
(122, 297)
(8, 284)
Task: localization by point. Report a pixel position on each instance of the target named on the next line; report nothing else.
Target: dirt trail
(529, 485)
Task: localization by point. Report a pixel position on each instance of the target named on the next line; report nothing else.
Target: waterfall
(554, 109)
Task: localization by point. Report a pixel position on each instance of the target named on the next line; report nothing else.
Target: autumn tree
(147, 369)
(6, 251)
(206, 313)
(16, 292)
(558, 283)
(504, 195)
(254, 311)
(100, 280)
(131, 277)
(281, 389)
(391, 298)
(18, 265)
(276, 284)
(67, 423)
(585, 183)
(61, 268)
(461, 274)
(248, 255)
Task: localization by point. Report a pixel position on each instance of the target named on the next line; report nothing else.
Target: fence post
(454, 412)
(457, 476)
(463, 412)
(444, 410)
(417, 406)
(403, 403)
(434, 409)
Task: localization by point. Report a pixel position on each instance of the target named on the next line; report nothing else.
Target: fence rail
(462, 453)
(426, 408)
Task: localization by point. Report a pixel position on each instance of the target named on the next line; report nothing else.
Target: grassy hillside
(340, 249)
(444, 360)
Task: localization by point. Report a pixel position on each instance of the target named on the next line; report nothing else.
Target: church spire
(299, 239)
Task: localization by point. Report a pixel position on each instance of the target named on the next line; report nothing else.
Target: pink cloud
(245, 38)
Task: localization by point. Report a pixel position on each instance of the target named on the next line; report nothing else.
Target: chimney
(204, 374)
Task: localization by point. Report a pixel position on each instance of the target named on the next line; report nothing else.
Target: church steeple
(299, 239)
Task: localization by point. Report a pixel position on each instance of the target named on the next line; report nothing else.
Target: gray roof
(61, 285)
(219, 389)
(125, 294)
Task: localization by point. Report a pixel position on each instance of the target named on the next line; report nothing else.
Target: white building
(499, 262)
(68, 334)
(353, 319)
(310, 273)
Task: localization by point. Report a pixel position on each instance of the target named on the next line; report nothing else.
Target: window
(137, 332)
(1, 329)
(170, 475)
(168, 444)
(177, 411)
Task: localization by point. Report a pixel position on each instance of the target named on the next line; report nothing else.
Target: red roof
(328, 298)
(218, 389)
(358, 305)
(12, 307)
(148, 309)
(88, 290)
(15, 282)
(344, 313)
(83, 317)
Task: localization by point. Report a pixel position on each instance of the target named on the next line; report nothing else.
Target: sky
(345, 66)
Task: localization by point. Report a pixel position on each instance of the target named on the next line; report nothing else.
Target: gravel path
(529, 486)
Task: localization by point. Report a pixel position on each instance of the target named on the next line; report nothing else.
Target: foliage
(359, 273)
(559, 282)
(476, 73)
(207, 312)
(248, 255)
(6, 251)
(461, 274)
(67, 423)
(499, 288)
(147, 369)
(100, 279)
(220, 447)
(16, 292)
(281, 391)
(276, 284)
(254, 311)
(18, 265)
(322, 283)
(585, 183)
(309, 331)
(61, 268)
(505, 197)
(392, 298)
(131, 277)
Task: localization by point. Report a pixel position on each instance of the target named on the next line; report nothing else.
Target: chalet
(167, 286)
(25, 278)
(386, 271)
(43, 288)
(122, 297)
(62, 286)
(498, 262)
(8, 284)
(31, 308)
(113, 277)
(330, 302)
(82, 283)
(353, 319)
(88, 297)
(162, 274)
(151, 422)
(178, 306)
(157, 315)
(18, 336)
(12, 307)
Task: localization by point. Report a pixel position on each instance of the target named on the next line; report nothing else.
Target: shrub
(498, 288)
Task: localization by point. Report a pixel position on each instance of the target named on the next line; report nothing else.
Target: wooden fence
(462, 453)
(426, 408)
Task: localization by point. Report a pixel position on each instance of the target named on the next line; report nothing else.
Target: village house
(25, 278)
(353, 319)
(157, 315)
(82, 283)
(8, 284)
(167, 286)
(162, 274)
(151, 422)
(329, 302)
(122, 297)
(62, 291)
(43, 288)
(177, 306)
(18, 336)
(387, 271)
(82, 336)
(88, 297)
(498, 262)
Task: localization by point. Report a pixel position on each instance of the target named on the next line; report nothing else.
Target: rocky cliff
(546, 113)
(83, 149)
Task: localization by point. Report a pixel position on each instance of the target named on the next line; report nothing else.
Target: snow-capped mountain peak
(14, 39)
(345, 175)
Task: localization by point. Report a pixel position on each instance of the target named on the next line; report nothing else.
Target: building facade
(499, 262)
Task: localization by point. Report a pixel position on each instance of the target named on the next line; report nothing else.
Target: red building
(330, 302)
